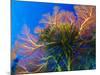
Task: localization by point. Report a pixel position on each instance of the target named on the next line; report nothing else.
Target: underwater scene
(52, 37)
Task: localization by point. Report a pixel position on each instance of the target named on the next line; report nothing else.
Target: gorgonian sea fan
(29, 52)
(62, 45)
(86, 18)
(73, 33)
(58, 17)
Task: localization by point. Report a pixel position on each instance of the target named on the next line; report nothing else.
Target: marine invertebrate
(66, 43)
(70, 33)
